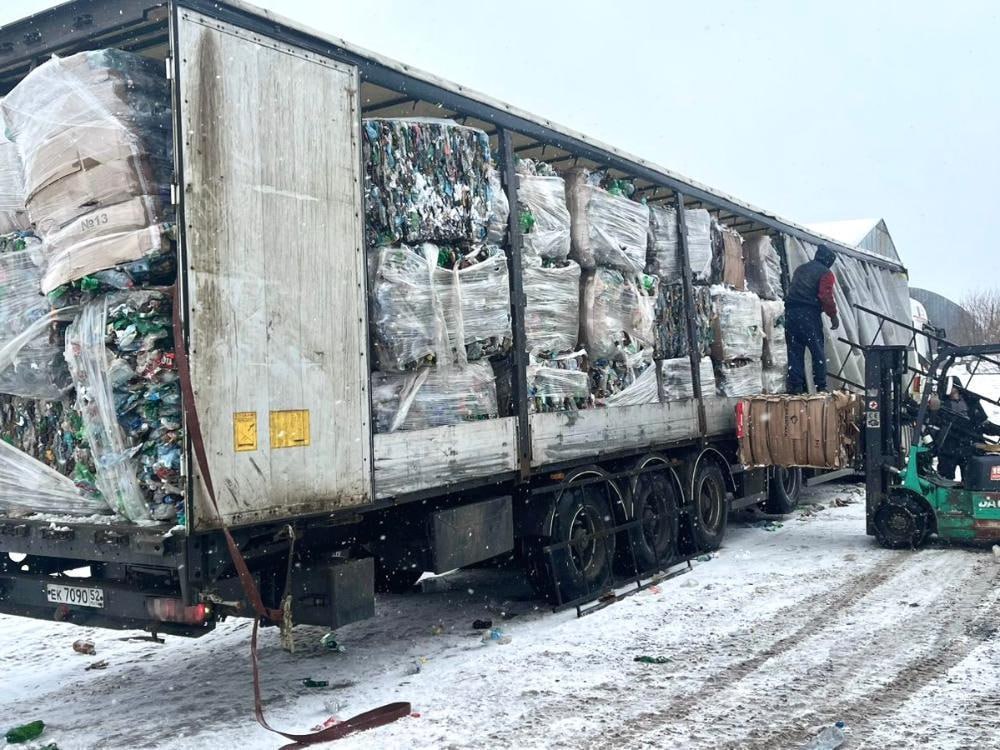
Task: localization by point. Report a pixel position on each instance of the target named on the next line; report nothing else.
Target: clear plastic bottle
(829, 739)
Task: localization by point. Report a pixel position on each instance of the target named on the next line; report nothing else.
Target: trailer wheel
(783, 491)
(581, 563)
(709, 511)
(903, 522)
(655, 505)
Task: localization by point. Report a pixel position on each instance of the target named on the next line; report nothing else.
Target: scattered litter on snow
(102, 664)
(309, 682)
(767, 525)
(329, 642)
(482, 624)
(652, 659)
(84, 647)
(829, 738)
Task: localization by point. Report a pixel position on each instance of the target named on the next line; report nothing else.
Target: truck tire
(903, 522)
(709, 507)
(656, 506)
(582, 520)
(783, 490)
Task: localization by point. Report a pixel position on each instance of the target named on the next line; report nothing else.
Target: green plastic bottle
(25, 732)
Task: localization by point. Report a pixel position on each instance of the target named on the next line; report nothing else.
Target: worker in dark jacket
(810, 294)
(963, 424)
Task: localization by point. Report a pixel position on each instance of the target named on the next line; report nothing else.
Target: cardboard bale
(818, 431)
(728, 267)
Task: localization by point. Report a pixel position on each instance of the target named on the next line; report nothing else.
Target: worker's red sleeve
(826, 294)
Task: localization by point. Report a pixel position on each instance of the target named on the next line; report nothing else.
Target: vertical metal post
(519, 356)
(692, 321)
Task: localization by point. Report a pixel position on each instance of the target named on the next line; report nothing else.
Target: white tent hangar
(867, 235)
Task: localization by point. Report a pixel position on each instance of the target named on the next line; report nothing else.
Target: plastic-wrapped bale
(616, 313)
(544, 217)
(121, 356)
(559, 382)
(606, 229)
(13, 214)
(552, 305)
(633, 382)
(29, 486)
(426, 180)
(31, 349)
(94, 132)
(739, 377)
(678, 383)
(611, 380)
(434, 304)
(407, 320)
(475, 296)
(738, 325)
(763, 267)
(669, 321)
(49, 433)
(775, 356)
(433, 397)
(728, 266)
(699, 243)
(661, 252)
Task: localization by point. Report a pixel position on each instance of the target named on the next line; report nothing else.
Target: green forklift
(906, 499)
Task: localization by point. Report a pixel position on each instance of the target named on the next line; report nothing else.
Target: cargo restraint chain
(367, 720)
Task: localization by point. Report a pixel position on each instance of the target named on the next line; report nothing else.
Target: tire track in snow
(805, 677)
(947, 644)
(794, 622)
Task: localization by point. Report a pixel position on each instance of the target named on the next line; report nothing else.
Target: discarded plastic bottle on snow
(25, 732)
(829, 739)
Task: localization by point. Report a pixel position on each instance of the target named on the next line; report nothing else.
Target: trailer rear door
(269, 140)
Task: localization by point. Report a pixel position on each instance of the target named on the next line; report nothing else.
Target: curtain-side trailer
(273, 316)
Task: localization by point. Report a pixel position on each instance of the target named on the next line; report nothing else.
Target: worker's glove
(834, 323)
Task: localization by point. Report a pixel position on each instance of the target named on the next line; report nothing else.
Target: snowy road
(784, 631)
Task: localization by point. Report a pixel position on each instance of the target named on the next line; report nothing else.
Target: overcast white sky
(814, 110)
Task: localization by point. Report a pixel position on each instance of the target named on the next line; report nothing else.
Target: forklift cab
(960, 430)
(907, 500)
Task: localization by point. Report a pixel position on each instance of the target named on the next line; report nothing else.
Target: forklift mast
(885, 368)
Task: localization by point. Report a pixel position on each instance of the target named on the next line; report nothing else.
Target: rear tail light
(741, 409)
(173, 610)
(916, 384)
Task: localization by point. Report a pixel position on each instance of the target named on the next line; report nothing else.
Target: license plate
(75, 595)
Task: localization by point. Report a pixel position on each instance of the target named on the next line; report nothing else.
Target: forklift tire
(784, 490)
(902, 522)
(709, 507)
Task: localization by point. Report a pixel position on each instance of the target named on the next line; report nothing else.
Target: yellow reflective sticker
(245, 431)
(290, 429)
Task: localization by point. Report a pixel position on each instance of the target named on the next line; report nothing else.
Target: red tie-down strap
(367, 720)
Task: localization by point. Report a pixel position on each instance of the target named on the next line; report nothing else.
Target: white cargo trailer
(272, 293)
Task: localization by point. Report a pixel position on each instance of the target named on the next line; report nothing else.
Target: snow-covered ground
(784, 631)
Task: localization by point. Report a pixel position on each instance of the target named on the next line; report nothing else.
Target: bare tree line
(983, 324)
